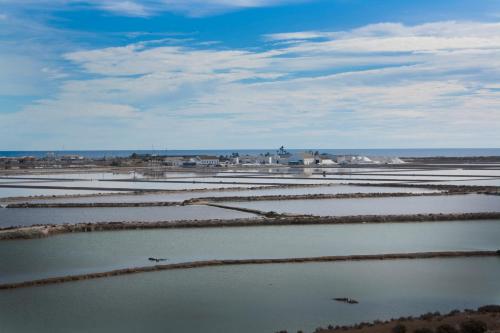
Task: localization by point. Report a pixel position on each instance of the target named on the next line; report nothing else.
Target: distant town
(279, 157)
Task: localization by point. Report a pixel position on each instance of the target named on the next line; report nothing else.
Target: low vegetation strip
(212, 263)
(484, 319)
(40, 231)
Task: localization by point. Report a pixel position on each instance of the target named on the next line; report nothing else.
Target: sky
(214, 74)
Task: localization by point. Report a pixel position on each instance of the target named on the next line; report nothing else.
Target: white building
(301, 159)
(71, 158)
(175, 161)
(307, 159)
(207, 160)
(248, 159)
(263, 159)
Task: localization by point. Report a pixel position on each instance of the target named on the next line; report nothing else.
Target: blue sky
(193, 74)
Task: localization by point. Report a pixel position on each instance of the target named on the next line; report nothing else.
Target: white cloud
(136, 59)
(299, 35)
(210, 7)
(387, 84)
(82, 108)
(393, 37)
(125, 7)
(152, 7)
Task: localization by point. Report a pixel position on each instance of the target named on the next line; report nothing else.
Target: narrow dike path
(208, 200)
(214, 263)
(270, 218)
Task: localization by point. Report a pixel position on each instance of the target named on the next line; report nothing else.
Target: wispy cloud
(423, 85)
(128, 8)
(144, 8)
(299, 35)
(393, 37)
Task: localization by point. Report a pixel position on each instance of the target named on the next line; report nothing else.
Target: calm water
(357, 181)
(138, 185)
(181, 196)
(450, 172)
(258, 181)
(101, 251)
(470, 182)
(418, 152)
(321, 178)
(263, 298)
(74, 176)
(385, 206)
(4, 181)
(65, 187)
(26, 192)
(31, 216)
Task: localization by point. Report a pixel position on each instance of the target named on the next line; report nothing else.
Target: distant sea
(419, 152)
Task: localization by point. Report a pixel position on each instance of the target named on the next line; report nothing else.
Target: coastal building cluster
(48, 161)
(303, 158)
(280, 157)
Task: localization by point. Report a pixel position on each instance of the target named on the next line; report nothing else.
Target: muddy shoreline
(42, 231)
(234, 262)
